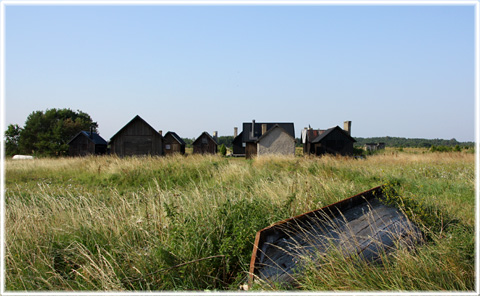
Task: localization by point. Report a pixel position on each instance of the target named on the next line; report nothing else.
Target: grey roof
(271, 129)
(328, 131)
(247, 128)
(94, 137)
(176, 137)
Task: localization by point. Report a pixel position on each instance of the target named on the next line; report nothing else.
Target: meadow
(189, 222)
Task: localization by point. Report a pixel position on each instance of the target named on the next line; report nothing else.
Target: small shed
(334, 140)
(137, 137)
(87, 143)
(173, 144)
(205, 144)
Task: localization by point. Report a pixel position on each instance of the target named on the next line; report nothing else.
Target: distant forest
(389, 142)
(406, 142)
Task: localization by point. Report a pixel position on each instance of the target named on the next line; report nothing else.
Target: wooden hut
(330, 141)
(333, 141)
(205, 144)
(87, 143)
(137, 138)
(172, 144)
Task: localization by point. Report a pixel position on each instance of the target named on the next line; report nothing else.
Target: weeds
(188, 223)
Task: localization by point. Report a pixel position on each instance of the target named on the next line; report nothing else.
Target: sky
(393, 70)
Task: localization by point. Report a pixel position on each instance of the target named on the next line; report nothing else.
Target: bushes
(457, 148)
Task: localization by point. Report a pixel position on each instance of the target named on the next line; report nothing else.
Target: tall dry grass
(188, 223)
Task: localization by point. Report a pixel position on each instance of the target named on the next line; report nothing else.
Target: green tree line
(411, 142)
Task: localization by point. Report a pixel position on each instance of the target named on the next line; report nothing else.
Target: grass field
(188, 223)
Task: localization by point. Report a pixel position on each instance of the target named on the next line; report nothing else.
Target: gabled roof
(313, 133)
(176, 137)
(94, 137)
(208, 135)
(247, 128)
(238, 139)
(273, 128)
(134, 119)
(330, 130)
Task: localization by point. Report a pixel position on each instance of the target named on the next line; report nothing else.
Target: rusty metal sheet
(359, 225)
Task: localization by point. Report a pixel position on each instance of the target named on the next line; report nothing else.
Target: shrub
(223, 150)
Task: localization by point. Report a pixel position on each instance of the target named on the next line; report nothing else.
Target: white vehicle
(22, 157)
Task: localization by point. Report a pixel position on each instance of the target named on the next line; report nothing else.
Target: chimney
(215, 135)
(235, 132)
(253, 129)
(347, 126)
(264, 128)
(160, 132)
(91, 132)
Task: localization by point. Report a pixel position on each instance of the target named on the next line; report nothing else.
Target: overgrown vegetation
(188, 223)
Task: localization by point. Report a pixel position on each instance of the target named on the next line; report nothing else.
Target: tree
(12, 137)
(48, 133)
(223, 150)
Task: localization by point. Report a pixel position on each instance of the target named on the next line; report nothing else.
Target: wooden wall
(204, 145)
(137, 138)
(171, 145)
(251, 150)
(335, 143)
(81, 146)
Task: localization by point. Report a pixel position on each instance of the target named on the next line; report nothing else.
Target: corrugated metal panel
(361, 225)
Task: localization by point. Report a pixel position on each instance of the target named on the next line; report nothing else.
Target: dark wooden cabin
(172, 144)
(333, 141)
(87, 143)
(205, 144)
(252, 131)
(137, 138)
(330, 141)
(238, 146)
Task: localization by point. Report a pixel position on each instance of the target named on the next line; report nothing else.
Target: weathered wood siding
(81, 146)
(334, 143)
(250, 150)
(171, 145)
(137, 138)
(204, 145)
(237, 145)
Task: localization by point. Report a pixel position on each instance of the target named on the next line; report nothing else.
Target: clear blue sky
(402, 71)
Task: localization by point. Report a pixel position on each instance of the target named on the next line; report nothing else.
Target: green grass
(188, 223)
